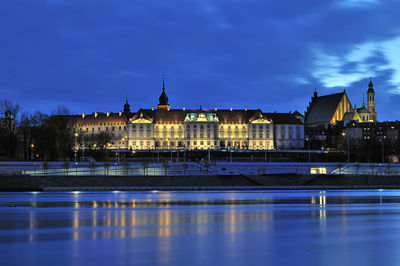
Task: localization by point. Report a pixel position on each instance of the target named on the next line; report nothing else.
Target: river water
(349, 227)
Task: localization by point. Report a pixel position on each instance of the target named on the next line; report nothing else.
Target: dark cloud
(90, 54)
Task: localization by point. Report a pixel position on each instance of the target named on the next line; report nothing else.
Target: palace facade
(204, 129)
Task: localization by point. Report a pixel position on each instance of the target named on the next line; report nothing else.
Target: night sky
(89, 54)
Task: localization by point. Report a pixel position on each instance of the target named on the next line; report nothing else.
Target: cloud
(362, 60)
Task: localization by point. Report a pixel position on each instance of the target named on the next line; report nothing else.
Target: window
(112, 129)
(208, 143)
(201, 142)
(148, 143)
(119, 128)
(188, 143)
(106, 128)
(194, 142)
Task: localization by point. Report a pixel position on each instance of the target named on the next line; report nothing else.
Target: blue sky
(89, 54)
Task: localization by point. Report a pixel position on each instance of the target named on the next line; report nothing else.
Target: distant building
(191, 129)
(329, 109)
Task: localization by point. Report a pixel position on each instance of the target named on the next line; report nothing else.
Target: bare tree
(8, 106)
(61, 110)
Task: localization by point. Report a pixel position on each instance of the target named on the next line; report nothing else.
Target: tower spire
(163, 86)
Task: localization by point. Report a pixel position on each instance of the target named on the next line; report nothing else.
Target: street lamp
(309, 151)
(32, 153)
(348, 146)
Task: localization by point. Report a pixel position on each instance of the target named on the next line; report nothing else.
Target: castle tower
(163, 99)
(127, 107)
(371, 101)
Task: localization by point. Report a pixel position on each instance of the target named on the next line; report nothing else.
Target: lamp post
(32, 151)
(309, 151)
(348, 146)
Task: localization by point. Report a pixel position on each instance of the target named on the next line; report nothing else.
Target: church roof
(323, 108)
(348, 116)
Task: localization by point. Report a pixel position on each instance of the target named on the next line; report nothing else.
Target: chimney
(152, 108)
(95, 114)
(83, 115)
(184, 108)
(108, 114)
(245, 108)
(231, 108)
(216, 109)
(120, 113)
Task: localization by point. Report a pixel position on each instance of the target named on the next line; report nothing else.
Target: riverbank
(195, 182)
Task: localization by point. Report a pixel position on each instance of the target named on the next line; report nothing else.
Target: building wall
(144, 133)
(289, 136)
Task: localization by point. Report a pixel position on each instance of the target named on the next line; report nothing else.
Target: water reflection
(225, 222)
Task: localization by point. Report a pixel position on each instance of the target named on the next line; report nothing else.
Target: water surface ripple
(349, 227)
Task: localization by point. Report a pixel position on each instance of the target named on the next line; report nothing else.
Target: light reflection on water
(200, 227)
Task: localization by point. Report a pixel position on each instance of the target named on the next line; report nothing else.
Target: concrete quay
(198, 182)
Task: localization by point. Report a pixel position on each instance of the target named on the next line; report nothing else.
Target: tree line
(44, 137)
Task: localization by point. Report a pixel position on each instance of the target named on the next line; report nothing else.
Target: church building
(329, 109)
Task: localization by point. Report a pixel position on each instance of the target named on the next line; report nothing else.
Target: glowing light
(76, 192)
(317, 171)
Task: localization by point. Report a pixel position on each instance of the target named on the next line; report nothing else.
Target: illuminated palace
(166, 128)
